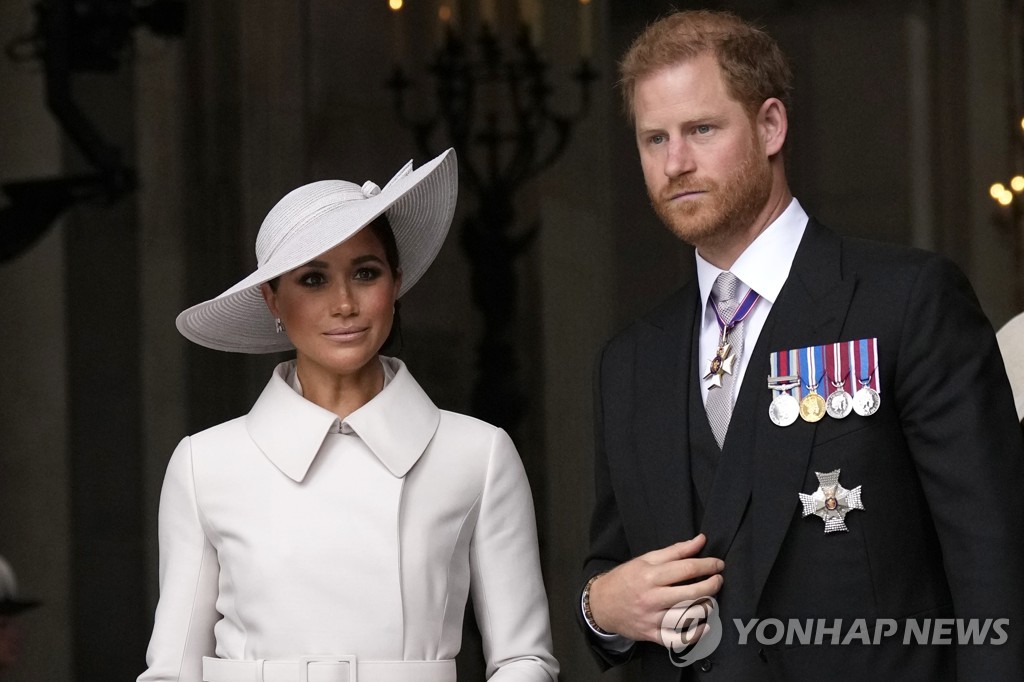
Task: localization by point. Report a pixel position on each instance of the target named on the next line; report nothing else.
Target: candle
(530, 15)
(538, 22)
(586, 30)
(399, 41)
(487, 14)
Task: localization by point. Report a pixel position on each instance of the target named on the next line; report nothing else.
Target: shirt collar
(764, 265)
(290, 430)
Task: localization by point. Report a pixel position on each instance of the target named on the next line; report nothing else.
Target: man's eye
(703, 129)
(656, 139)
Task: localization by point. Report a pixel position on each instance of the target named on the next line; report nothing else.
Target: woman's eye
(367, 274)
(312, 279)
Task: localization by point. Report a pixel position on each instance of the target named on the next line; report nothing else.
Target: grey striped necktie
(720, 399)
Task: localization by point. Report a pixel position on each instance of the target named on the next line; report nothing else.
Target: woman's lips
(345, 334)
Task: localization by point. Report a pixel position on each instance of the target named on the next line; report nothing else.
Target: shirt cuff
(610, 641)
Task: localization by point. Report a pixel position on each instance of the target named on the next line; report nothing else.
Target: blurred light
(395, 4)
(996, 190)
(587, 2)
(1017, 183)
(444, 13)
(1006, 198)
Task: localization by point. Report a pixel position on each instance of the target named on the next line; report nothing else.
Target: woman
(334, 532)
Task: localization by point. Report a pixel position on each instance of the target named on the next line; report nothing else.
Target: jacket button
(705, 665)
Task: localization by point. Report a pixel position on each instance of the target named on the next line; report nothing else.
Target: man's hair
(753, 66)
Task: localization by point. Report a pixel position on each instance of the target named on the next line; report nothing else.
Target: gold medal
(719, 366)
(812, 407)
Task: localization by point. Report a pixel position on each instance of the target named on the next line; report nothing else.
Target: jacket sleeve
(608, 545)
(186, 612)
(958, 418)
(508, 591)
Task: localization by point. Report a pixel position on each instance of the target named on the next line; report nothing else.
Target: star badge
(831, 501)
(720, 365)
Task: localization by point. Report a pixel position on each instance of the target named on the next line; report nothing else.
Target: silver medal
(839, 404)
(831, 502)
(784, 409)
(866, 401)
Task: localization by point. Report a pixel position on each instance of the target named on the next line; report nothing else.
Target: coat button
(705, 665)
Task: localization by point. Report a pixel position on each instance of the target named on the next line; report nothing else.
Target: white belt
(327, 669)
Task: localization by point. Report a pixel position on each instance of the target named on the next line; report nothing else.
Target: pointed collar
(290, 430)
(765, 264)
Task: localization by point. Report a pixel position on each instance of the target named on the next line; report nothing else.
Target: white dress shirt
(763, 266)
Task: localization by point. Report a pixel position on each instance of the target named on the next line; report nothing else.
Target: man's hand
(631, 599)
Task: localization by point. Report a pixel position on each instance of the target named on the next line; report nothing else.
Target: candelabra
(492, 105)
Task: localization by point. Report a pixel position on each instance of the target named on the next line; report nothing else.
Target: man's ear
(772, 125)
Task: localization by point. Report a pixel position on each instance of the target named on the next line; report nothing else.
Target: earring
(279, 324)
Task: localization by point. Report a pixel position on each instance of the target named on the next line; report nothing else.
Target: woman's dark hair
(381, 228)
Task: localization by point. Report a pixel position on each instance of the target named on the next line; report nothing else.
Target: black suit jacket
(940, 465)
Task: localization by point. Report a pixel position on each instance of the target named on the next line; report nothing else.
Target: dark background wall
(903, 115)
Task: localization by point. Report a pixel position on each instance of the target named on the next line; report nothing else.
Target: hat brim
(419, 205)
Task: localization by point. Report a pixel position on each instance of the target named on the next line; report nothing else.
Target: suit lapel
(661, 420)
(811, 310)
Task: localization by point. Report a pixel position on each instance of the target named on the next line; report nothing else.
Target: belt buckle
(304, 661)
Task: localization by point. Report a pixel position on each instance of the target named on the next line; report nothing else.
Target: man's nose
(679, 159)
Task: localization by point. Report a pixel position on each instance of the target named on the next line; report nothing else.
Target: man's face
(706, 169)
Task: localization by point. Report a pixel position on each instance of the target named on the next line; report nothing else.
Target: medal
(724, 359)
(720, 365)
(784, 408)
(867, 400)
(839, 403)
(831, 502)
(812, 407)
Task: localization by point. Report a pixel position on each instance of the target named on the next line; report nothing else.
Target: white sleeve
(508, 591)
(186, 612)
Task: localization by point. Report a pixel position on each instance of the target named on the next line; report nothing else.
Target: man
(11, 605)
(718, 473)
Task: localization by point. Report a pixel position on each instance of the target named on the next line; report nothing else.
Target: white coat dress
(287, 533)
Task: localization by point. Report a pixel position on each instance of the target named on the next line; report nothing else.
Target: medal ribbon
(782, 363)
(866, 354)
(748, 303)
(809, 369)
(840, 369)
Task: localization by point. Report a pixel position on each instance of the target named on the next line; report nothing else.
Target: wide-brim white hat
(314, 219)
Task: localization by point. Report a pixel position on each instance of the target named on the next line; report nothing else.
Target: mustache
(683, 185)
